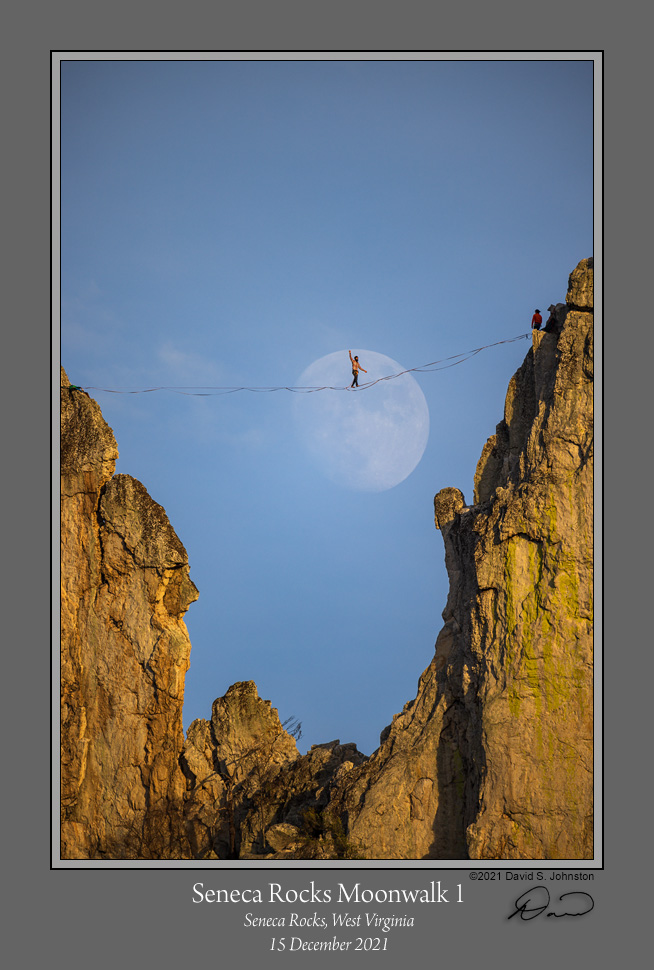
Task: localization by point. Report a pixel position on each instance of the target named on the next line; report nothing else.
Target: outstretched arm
(350, 353)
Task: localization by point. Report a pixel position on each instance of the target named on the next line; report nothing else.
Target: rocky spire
(125, 649)
(494, 757)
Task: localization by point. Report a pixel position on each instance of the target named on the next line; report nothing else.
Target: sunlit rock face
(125, 649)
(228, 762)
(494, 757)
(250, 794)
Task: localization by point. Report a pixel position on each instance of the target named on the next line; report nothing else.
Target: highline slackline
(207, 391)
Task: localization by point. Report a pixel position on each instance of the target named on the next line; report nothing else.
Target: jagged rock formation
(125, 587)
(493, 758)
(249, 790)
(228, 762)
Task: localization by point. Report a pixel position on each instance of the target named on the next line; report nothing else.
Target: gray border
(153, 914)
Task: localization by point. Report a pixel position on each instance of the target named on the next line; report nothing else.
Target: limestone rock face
(494, 757)
(580, 286)
(125, 649)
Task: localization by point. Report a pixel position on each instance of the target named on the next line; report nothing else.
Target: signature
(535, 901)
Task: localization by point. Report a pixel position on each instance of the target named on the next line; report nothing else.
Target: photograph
(328, 516)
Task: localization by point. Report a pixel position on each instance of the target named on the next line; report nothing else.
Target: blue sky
(229, 223)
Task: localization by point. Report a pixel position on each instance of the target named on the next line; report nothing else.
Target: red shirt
(536, 321)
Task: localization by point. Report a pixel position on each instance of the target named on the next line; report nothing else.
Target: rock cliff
(125, 587)
(492, 760)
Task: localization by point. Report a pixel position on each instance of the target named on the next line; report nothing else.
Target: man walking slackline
(356, 367)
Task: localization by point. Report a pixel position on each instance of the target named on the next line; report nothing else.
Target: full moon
(367, 438)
